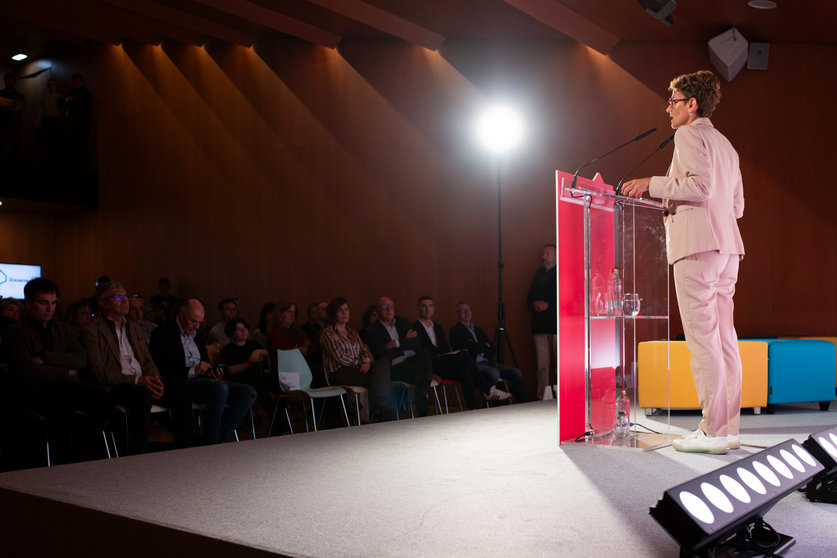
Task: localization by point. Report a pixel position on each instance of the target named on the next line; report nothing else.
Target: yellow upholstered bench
(653, 383)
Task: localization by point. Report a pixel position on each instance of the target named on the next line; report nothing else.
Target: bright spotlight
(500, 129)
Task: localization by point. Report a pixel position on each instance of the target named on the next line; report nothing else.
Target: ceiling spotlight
(20, 56)
(762, 4)
(660, 10)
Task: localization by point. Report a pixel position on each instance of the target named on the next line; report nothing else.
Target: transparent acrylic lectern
(599, 232)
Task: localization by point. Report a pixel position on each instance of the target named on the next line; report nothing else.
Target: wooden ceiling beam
(562, 18)
(276, 21)
(383, 21)
(185, 20)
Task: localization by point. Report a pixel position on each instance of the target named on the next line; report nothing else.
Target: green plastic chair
(292, 361)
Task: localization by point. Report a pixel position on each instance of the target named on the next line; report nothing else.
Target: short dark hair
(229, 328)
(37, 286)
(704, 86)
(425, 297)
(226, 301)
(333, 307)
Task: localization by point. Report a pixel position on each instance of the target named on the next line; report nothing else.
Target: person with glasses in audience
(119, 362)
(466, 335)
(703, 195)
(395, 339)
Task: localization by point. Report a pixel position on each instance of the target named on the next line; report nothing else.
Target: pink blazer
(702, 192)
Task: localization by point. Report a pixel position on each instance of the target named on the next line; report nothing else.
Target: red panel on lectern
(571, 323)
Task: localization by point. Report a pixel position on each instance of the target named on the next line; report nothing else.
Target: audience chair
(43, 422)
(155, 410)
(401, 394)
(292, 362)
(456, 388)
(199, 407)
(356, 390)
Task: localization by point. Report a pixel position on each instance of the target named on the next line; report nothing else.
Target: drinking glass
(631, 304)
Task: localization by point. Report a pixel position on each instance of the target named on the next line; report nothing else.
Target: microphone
(637, 138)
(618, 189)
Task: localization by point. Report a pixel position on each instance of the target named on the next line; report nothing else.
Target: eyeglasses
(119, 297)
(672, 101)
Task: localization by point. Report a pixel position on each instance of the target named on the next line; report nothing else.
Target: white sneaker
(497, 394)
(733, 442)
(699, 442)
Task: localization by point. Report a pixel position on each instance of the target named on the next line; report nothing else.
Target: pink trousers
(705, 284)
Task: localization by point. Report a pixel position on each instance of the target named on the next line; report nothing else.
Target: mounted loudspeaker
(728, 53)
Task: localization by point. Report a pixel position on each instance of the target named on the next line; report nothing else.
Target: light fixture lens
(780, 466)
(20, 56)
(697, 507)
(751, 480)
(734, 487)
(717, 497)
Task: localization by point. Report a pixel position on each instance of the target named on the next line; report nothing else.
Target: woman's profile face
(678, 109)
(342, 316)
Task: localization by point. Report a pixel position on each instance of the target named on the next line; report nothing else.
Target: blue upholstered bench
(799, 370)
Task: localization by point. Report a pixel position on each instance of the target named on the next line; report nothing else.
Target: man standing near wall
(543, 302)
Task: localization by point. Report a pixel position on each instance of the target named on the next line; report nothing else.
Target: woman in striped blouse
(348, 361)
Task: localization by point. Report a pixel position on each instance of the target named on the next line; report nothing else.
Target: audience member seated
(136, 315)
(367, 319)
(119, 362)
(348, 361)
(265, 322)
(229, 310)
(285, 334)
(78, 315)
(11, 308)
(394, 339)
(179, 351)
(246, 361)
(453, 365)
(466, 335)
(317, 320)
(44, 358)
(165, 303)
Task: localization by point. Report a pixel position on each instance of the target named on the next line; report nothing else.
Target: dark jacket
(56, 344)
(441, 346)
(167, 350)
(460, 338)
(378, 337)
(544, 288)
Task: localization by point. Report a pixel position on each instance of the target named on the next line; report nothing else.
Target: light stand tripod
(501, 337)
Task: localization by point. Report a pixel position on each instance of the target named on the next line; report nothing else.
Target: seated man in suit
(119, 362)
(466, 335)
(393, 338)
(179, 350)
(44, 358)
(453, 365)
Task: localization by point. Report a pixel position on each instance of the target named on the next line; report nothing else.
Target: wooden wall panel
(291, 170)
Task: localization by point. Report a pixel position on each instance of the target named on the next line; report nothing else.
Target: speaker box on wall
(728, 53)
(758, 56)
